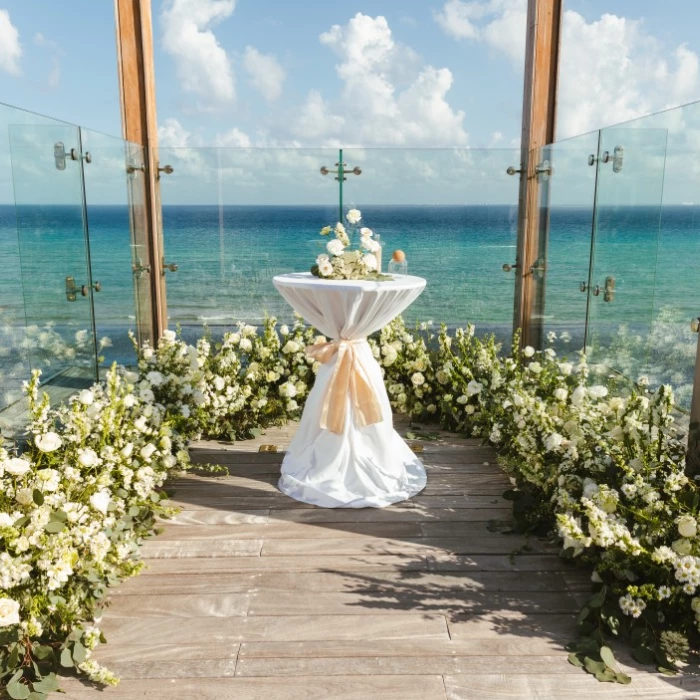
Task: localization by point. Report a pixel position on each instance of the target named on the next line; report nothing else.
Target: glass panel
(454, 213)
(53, 251)
(628, 211)
(232, 219)
(566, 223)
(114, 187)
(14, 361)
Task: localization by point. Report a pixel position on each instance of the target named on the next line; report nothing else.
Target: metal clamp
(616, 157)
(139, 269)
(608, 289)
(545, 170)
(695, 325)
(583, 287)
(340, 171)
(167, 169)
(60, 155)
(508, 267)
(173, 267)
(85, 289)
(510, 170)
(592, 159)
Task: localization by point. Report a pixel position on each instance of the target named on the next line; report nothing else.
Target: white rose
(284, 330)
(353, 216)
(553, 442)
(566, 368)
(127, 450)
(86, 397)
(578, 395)
(9, 612)
(325, 268)
(535, 367)
(16, 466)
(682, 547)
(100, 501)
(291, 347)
(529, 351)
(140, 424)
(561, 394)
(87, 457)
(597, 392)
(25, 497)
(474, 388)
(369, 244)
(155, 378)
(463, 399)
(335, 247)
(147, 451)
(687, 526)
(219, 383)
(246, 345)
(366, 232)
(418, 379)
(370, 261)
(6, 520)
(169, 336)
(48, 442)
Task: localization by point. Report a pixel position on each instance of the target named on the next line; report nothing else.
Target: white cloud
(202, 64)
(53, 78)
(10, 48)
(171, 134)
(266, 73)
(612, 69)
(233, 138)
(389, 96)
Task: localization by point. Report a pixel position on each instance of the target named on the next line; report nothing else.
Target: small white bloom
(664, 592)
(529, 351)
(687, 526)
(246, 345)
(463, 399)
(147, 451)
(354, 216)
(86, 397)
(370, 261)
(169, 335)
(25, 497)
(87, 457)
(561, 394)
(48, 442)
(417, 379)
(535, 367)
(9, 612)
(597, 392)
(16, 466)
(100, 501)
(335, 247)
(155, 378)
(474, 388)
(578, 395)
(366, 232)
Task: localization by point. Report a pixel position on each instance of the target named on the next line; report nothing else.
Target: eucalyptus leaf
(606, 676)
(54, 526)
(17, 690)
(66, 658)
(608, 658)
(79, 653)
(593, 666)
(38, 497)
(48, 684)
(575, 660)
(60, 515)
(667, 671)
(644, 655)
(622, 678)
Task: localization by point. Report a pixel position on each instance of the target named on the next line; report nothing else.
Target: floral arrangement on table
(597, 466)
(342, 261)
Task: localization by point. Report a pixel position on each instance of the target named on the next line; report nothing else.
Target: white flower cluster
(341, 262)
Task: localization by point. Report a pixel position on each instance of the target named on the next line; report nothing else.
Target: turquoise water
(228, 255)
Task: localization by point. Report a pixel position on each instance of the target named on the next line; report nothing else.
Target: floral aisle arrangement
(595, 465)
(342, 261)
(74, 508)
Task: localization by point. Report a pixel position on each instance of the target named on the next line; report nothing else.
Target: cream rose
(354, 216)
(9, 612)
(48, 442)
(335, 247)
(370, 261)
(87, 457)
(687, 526)
(17, 466)
(100, 501)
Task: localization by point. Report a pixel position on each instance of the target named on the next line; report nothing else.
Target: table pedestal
(361, 467)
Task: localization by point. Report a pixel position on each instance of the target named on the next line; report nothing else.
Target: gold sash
(349, 379)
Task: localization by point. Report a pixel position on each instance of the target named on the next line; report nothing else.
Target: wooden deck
(250, 595)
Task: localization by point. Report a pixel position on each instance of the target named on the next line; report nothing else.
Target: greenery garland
(595, 465)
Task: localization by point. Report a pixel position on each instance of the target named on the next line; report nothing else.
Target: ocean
(227, 256)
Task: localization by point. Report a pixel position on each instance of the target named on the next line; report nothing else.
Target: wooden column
(139, 125)
(538, 129)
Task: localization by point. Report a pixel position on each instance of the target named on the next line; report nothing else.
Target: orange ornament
(398, 256)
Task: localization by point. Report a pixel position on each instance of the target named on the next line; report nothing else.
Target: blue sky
(430, 73)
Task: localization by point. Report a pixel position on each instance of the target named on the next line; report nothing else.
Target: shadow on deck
(249, 595)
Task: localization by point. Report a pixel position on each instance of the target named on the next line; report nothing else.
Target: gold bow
(349, 378)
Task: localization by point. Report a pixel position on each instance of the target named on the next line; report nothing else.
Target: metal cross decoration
(340, 177)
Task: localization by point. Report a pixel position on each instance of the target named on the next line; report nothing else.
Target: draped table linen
(346, 453)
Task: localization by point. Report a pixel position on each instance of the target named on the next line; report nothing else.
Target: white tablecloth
(362, 466)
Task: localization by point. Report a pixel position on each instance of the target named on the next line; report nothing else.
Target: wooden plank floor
(250, 595)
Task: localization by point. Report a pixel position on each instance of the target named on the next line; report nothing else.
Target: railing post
(538, 129)
(139, 125)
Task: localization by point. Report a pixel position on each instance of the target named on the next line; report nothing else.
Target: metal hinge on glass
(608, 290)
(617, 157)
(61, 155)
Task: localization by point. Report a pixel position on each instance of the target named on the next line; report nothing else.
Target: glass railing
(233, 218)
(616, 273)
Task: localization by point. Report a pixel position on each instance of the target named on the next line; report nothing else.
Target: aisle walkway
(252, 596)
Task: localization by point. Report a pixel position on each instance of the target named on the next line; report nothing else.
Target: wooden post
(538, 129)
(139, 126)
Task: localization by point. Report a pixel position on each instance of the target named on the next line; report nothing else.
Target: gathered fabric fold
(350, 379)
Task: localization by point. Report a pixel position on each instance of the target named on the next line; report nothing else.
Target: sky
(409, 73)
